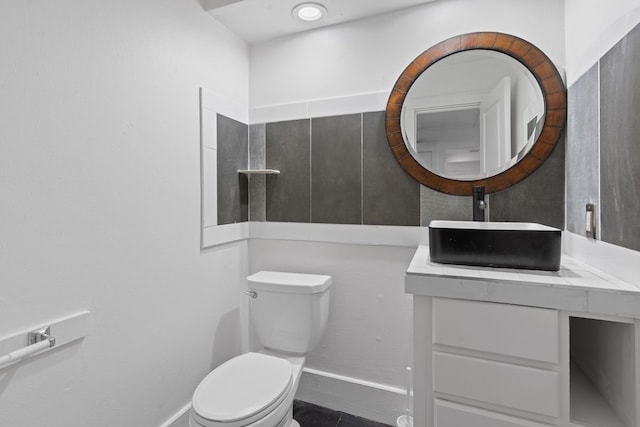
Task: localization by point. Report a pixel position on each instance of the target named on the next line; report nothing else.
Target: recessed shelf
(259, 171)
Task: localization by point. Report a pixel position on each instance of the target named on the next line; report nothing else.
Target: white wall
(368, 56)
(369, 325)
(592, 28)
(369, 328)
(100, 206)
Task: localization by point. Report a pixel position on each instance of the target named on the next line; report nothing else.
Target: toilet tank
(290, 310)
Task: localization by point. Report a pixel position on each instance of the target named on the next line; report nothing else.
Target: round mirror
(478, 109)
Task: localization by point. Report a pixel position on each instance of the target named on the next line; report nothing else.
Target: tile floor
(309, 415)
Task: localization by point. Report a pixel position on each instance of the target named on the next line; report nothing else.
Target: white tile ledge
(355, 234)
(373, 235)
(577, 286)
(618, 261)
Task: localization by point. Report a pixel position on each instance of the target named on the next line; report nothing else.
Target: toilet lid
(242, 387)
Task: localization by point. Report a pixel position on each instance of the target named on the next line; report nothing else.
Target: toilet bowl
(257, 389)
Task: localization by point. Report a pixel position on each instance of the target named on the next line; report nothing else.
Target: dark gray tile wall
(257, 183)
(340, 170)
(440, 206)
(389, 195)
(583, 183)
(343, 163)
(538, 198)
(233, 196)
(610, 176)
(336, 169)
(288, 195)
(620, 142)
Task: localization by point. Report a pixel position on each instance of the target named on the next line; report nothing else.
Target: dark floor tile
(347, 420)
(309, 415)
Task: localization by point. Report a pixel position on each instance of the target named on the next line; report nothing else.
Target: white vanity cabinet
(496, 362)
(495, 350)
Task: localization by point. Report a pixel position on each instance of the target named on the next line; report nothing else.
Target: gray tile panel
(257, 146)
(390, 196)
(620, 142)
(538, 198)
(232, 155)
(336, 171)
(440, 206)
(257, 183)
(288, 195)
(583, 154)
(258, 198)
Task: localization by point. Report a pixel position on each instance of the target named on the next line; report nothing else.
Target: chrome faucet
(479, 204)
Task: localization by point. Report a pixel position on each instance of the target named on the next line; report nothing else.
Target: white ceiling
(256, 21)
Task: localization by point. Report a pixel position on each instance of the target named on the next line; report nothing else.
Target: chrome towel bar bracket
(38, 340)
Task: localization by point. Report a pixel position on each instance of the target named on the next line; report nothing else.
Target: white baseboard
(373, 401)
(180, 418)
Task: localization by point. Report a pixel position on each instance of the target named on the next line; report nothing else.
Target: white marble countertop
(575, 287)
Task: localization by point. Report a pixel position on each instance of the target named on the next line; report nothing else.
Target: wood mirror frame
(553, 91)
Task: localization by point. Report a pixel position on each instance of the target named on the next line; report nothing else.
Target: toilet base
(287, 421)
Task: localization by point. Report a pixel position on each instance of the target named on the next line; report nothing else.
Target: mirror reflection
(472, 114)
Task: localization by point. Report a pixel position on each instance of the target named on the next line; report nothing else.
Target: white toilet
(289, 312)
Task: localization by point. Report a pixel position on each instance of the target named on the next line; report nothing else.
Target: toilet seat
(242, 390)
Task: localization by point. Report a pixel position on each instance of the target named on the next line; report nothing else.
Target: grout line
(310, 170)
(264, 163)
(248, 176)
(598, 235)
(361, 168)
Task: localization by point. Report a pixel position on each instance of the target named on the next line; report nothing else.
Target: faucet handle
(478, 190)
(479, 205)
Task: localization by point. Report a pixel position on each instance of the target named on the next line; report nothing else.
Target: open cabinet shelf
(602, 371)
(588, 407)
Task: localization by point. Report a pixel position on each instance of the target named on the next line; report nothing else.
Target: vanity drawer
(448, 414)
(513, 386)
(511, 330)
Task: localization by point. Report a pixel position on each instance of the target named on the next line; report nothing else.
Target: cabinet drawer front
(448, 414)
(518, 387)
(511, 330)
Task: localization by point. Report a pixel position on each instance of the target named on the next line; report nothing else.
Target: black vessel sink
(495, 244)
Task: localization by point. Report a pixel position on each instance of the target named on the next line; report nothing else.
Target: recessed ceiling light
(309, 11)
